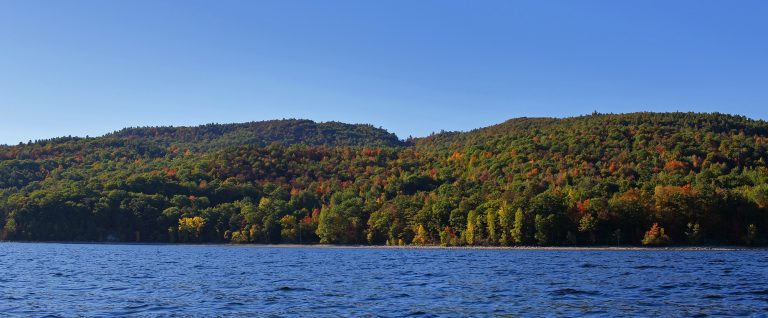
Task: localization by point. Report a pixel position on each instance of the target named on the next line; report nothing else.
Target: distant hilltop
(639, 178)
(286, 131)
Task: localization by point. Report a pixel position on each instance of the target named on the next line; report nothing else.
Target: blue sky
(412, 67)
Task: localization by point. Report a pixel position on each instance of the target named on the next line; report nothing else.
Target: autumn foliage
(656, 236)
(602, 179)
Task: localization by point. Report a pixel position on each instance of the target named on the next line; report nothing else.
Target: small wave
(573, 291)
(710, 286)
(136, 307)
(162, 308)
(288, 288)
(673, 286)
(231, 306)
(141, 277)
(417, 313)
(647, 266)
(757, 292)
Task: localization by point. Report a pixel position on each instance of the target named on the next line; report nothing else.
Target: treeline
(263, 133)
(631, 179)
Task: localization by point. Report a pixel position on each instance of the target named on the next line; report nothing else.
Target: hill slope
(597, 125)
(634, 178)
(262, 133)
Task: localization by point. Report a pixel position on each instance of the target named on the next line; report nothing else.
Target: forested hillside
(629, 179)
(289, 132)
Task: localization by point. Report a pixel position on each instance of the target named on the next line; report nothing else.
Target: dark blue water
(184, 280)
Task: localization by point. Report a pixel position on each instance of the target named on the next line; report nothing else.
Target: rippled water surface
(187, 280)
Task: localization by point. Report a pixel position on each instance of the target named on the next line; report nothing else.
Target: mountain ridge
(183, 133)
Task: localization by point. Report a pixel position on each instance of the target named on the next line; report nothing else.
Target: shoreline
(421, 247)
(512, 248)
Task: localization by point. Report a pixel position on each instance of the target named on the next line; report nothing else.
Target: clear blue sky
(413, 67)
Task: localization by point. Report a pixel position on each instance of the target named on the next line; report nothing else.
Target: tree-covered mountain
(262, 133)
(641, 178)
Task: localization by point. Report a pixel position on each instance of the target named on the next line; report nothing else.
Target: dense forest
(600, 179)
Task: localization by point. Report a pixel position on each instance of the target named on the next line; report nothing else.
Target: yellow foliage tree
(421, 235)
(190, 228)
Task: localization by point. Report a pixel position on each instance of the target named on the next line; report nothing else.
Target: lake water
(188, 280)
